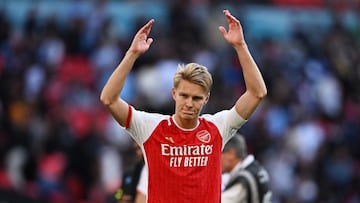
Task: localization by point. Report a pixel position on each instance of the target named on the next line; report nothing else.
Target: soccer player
(248, 181)
(182, 152)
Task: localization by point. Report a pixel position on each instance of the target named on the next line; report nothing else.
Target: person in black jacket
(127, 193)
(248, 180)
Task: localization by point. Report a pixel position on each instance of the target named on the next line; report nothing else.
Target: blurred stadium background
(58, 144)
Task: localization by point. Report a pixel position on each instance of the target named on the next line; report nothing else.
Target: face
(138, 150)
(189, 101)
(228, 160)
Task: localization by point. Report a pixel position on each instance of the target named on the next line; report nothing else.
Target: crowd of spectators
(58, 143)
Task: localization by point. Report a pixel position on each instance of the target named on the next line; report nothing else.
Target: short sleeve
(141, 124)
(227, 121)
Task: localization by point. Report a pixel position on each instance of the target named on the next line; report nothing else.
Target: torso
(183, 165)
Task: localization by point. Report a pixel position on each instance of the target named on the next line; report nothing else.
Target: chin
(188, 117)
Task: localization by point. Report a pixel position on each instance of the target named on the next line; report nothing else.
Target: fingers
(230, 17)
(147, 27)
(226, 12)
(222, 30)
(149, 41)
(149, 23)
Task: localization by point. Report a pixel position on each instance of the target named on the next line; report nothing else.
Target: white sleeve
(142, 124)
(228, 122)
(143, 181)
(234, 194)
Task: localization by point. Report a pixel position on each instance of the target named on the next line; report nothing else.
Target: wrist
(132, 54)
(240, 46)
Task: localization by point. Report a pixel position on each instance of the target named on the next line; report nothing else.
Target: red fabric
(338, 5)
(4, 180)
(183, 163)
(127, 125)
(75, 186)
(303, 3)
(52, 166)
(77, 68)
(80, 121)
(2, 64)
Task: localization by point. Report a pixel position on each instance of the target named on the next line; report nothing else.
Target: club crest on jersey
(170, 139)
(204, 136)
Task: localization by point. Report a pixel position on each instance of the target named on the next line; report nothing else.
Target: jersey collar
(184, 129)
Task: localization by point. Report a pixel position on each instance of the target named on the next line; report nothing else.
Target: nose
(189, 102)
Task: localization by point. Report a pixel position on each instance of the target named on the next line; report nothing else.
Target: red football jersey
(184, 165)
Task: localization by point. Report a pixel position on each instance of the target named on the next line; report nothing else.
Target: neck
(185, 123)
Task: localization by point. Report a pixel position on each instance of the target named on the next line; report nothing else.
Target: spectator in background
(131, 178)
(248, 181)
(142, 187)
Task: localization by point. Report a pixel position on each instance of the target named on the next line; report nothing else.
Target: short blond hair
(194, 73)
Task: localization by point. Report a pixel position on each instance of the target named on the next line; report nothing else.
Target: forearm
(115, 83)
(253, 79)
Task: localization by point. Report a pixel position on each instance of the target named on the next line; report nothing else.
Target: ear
(207, 98)
(173, 93)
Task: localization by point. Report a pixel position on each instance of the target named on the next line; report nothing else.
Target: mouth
(190, 113)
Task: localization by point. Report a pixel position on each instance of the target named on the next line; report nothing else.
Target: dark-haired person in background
(127, 192)
(248, 181)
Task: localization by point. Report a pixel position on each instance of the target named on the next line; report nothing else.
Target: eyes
(194, 98)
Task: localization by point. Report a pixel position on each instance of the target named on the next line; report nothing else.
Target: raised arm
(110, 95)
(255, 85)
